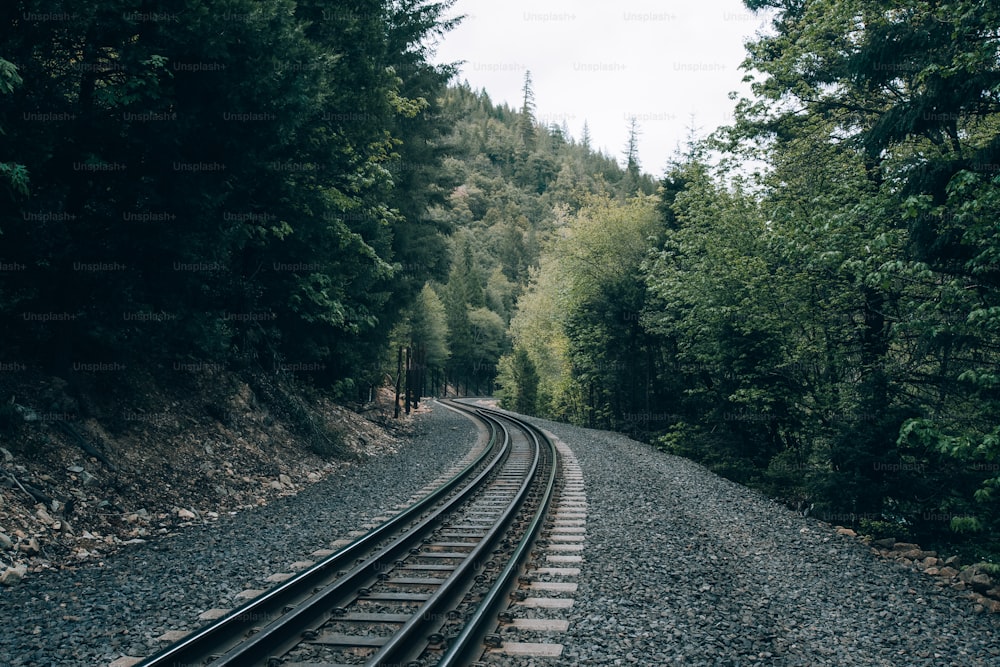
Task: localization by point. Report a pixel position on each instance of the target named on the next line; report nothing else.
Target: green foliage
(824, 329)
(11, 421)
(259, 176)
(513, 184)
(518, 381)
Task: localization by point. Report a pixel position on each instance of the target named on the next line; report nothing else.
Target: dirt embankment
(95, 461)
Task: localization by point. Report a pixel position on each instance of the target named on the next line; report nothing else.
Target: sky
(669, 63)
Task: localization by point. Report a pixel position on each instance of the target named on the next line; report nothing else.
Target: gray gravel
(91, 615)
(683, 567)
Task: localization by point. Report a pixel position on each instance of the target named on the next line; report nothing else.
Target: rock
(30, 547)
(981, 582)
(44, 516)
(948, 572)
(276, 485)
(286, 480)
(968, 573)
(847, 532)
(930, 561)
(13, 575)
(933, 571)
(314, 477)
(87, 479)
(185, 514)
(912, 554)
(986, 603)
(5, 542)
(905, 546)
(7, 456)
(953, 561)
(75, 469)
(994, 592)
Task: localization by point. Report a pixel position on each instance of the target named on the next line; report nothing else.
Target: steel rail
(285, 632)
(468, 646)
(234, 626)
(406, 644)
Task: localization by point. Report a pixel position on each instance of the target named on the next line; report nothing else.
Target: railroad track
(424, 588)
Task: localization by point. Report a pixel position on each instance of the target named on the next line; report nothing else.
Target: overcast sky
(604, 61)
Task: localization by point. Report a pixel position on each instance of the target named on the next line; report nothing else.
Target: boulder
(905, 546)
(5, 542)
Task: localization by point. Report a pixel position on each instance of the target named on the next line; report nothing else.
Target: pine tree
(527, 120)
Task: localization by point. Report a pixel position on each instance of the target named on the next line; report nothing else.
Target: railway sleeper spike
(274, 662)
(338, 611)
(525, 579)
(518, 595)
(364, 592)
(310, 634)
(505, 617)
(493, 640)
(435, 639)
(415, 550)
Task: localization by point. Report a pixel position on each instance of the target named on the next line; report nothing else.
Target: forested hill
(515, 183)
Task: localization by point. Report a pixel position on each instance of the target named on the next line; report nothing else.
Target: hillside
(170, 448)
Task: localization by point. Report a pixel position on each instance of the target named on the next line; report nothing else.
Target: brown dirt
(186, 446)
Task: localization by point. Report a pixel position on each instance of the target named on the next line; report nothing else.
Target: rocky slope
(87, 469)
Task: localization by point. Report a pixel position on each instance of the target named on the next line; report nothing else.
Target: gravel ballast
(682, 567)
(93, 614)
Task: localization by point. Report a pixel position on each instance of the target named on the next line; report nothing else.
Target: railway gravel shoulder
(682, 567)
(93, 614)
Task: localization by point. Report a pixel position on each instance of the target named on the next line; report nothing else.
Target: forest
(806, 301)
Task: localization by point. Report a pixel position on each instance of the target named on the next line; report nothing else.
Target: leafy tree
(519, 382)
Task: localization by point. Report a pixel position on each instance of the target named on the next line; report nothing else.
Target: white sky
(603, 61)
